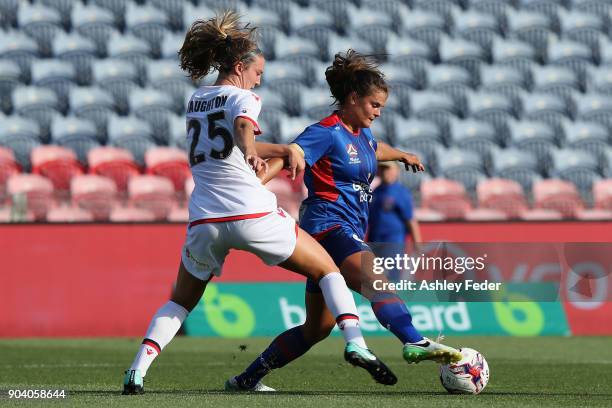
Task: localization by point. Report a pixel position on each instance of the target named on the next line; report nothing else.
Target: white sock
(340, 302)
(164, 326)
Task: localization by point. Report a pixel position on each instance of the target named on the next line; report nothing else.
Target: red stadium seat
(594, 214)
(153, 193)
(58, 164)
(427, 214)
(69, 214)
(31, 192)
(541, 214)
(169, 162)
(114, 163)
(602, 194)
(485, 214)
(559, 195)
(96, 194)
(446, 196)
(179, 214)
(8, 167)
(285, 196)
(123, 214)
(503, 195)
(8, 215)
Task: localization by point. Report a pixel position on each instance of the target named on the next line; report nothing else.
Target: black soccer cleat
(364, 358)
(133, 383)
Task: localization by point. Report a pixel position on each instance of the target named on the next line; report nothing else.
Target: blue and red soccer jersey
(341, 166)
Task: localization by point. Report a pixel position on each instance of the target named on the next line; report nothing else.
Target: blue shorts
(340, 242)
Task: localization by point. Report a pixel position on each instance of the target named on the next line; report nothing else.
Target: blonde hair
(218, 44)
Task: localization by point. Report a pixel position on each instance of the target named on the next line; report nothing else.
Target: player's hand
(412, 161)
(295, 163)
(258, 164)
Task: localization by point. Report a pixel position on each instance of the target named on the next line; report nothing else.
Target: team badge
(353, 154)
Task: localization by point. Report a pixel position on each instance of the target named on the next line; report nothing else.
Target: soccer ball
(468, 376)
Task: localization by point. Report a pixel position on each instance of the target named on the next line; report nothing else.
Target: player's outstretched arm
(384, 152)
(292, 160)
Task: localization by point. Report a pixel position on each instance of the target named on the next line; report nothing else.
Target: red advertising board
(107, 280)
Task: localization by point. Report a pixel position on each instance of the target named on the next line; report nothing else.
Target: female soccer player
(342, 155)
(229, 207)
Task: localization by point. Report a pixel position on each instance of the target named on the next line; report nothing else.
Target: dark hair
(354, 72)
(217, 43)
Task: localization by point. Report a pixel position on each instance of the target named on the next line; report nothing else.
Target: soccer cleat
(133, 383)
(232, 385)
(364, 358)
(427, 349)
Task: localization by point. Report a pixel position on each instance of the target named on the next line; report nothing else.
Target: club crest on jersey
(353, 154)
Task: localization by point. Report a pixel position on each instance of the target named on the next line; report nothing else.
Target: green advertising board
(266, 309)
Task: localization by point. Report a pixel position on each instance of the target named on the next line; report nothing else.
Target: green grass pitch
(525, 372)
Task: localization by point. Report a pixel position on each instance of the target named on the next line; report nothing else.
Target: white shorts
(271, 237)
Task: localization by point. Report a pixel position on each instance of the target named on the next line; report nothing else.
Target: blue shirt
(340, 167)
(391, 209)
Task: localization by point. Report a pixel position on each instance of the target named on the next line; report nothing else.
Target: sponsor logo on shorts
(195, 260)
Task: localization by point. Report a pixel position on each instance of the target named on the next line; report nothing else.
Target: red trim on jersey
(323, 180)
(257, 129)
(230, 218)
(320, 235)
(334, 119)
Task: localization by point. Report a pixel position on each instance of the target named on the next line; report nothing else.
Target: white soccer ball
(468, 376)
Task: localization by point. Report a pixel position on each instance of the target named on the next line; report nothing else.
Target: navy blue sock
(285, 348)
(392, 313)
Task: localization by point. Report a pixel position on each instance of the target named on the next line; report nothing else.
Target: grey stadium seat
(94, 104)
(131, 133)
(80, 135)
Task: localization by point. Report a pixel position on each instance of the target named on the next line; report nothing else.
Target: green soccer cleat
(233, 386)
(427, 349)
(133, 383)
(364, 358)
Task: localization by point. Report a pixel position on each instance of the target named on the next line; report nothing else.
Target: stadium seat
(95, 23)
(428, 215)
(169, 162)
(290, 128)
(132, 134)
(541, 214)
(96, 194)
(166, 76)
(58, 164)
(285, 196)
(316, 103)
(117, 7)
(177, 130)
(296, 50)
(154, 107)
(536, 137)
(475, 135)
(577, 166)
(79, 135)
(450, 79)
(18, 47)
(12, 215)
(147, 22)
(434, 106)
(595, 108)
(607, 162)
(514, 53)
(594, 214)
(372, 25)
(79, 51)
(8, 13)
(114, 163)
(401, 80)
(69, 214)
(31, 192)
(410, 53)
(94, 104)
(477, 27)
(9, 80)
(518, 165)
(269, 25)
(417, 134)
(8, 167)
(602, 194)
(152, 193)
(337, 8)
(287, 79)
(171, 44)
(273, 109)
(460, 165)
(393, 8)
(57, 75)
(597, 7)
(412, 180)
(117, 77)
(128, 47)
(173, 9)
(337, 43)
(20, 136)
(556, 80)
(494, 108)
(503, 195)
(440, 7)
(41, 23)
(582, 27)
(574, 55)
(39, 104)
(129, 214)
(485, 214)
(506, 80)
(559, 195)
(178, 214)
(546, 108)
(530, 26)
(63, 7)
(599, 80)
(445, 196)
(311, 23)
(466, 54)
(589, 136)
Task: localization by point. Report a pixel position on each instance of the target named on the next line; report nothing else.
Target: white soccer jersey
(225, 185)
